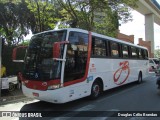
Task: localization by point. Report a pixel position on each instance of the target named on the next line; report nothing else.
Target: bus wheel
(139, 78)
(11, 87)
(95, 90)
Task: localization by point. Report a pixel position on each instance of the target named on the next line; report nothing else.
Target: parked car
(154, 64)
(9, 83)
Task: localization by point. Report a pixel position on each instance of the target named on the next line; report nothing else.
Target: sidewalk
(11, 97)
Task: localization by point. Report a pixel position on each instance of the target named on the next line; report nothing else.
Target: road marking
(115, 94)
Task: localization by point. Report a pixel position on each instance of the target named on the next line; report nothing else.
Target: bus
(67, 64)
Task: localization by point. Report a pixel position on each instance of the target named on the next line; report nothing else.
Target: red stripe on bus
(40, 85)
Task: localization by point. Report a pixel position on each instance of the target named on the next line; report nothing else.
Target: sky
(137, 28)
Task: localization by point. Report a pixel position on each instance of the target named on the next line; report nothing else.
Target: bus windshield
(38, 62)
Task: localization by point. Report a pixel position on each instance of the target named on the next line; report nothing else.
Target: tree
(157, 53)
(19, 16)
(13, 16)
(44, 15)
(102, 16)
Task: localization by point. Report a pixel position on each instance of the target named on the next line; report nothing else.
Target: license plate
(36, 94)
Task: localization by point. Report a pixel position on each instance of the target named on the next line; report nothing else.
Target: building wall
(130, 38)
(127, 38)
(146, 44)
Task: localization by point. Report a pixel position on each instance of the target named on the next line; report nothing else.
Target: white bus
(68, 64)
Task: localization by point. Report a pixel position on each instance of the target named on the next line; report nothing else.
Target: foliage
(7, 18)
(101, 16)
(44, 15)
(157, 53)
(24, 43)
(13, 23)
(19, 16)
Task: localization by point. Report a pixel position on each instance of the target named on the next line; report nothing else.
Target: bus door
(76, 58)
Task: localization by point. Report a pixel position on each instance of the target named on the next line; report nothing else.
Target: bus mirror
(56, 50)
(14, 53)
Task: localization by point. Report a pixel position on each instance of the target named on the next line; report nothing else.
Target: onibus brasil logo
(121, 75)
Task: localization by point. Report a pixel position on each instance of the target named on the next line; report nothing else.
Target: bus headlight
(52, 87)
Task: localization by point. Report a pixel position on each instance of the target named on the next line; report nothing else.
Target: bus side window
(134, 52)
(145, 54)
(140, 53)
(98, 47)
(114, 49)
(125, 51)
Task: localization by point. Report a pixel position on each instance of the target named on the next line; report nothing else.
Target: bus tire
(96, 90)
(139, 78)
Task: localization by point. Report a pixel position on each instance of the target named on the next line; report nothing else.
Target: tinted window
(76, 56)
(133, 52)
(140, 53)
(114, 49)
(39, 63)
(150, 61)
(156, 61)
(98, 47)
(145, 54)
(125, 51)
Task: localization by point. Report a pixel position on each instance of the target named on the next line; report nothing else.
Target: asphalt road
(134, 100)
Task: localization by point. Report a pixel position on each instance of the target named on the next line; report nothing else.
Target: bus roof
(96, 34)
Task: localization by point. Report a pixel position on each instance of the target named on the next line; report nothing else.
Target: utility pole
(0, 64)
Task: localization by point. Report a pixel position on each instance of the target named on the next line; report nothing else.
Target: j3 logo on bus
(121, 75)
